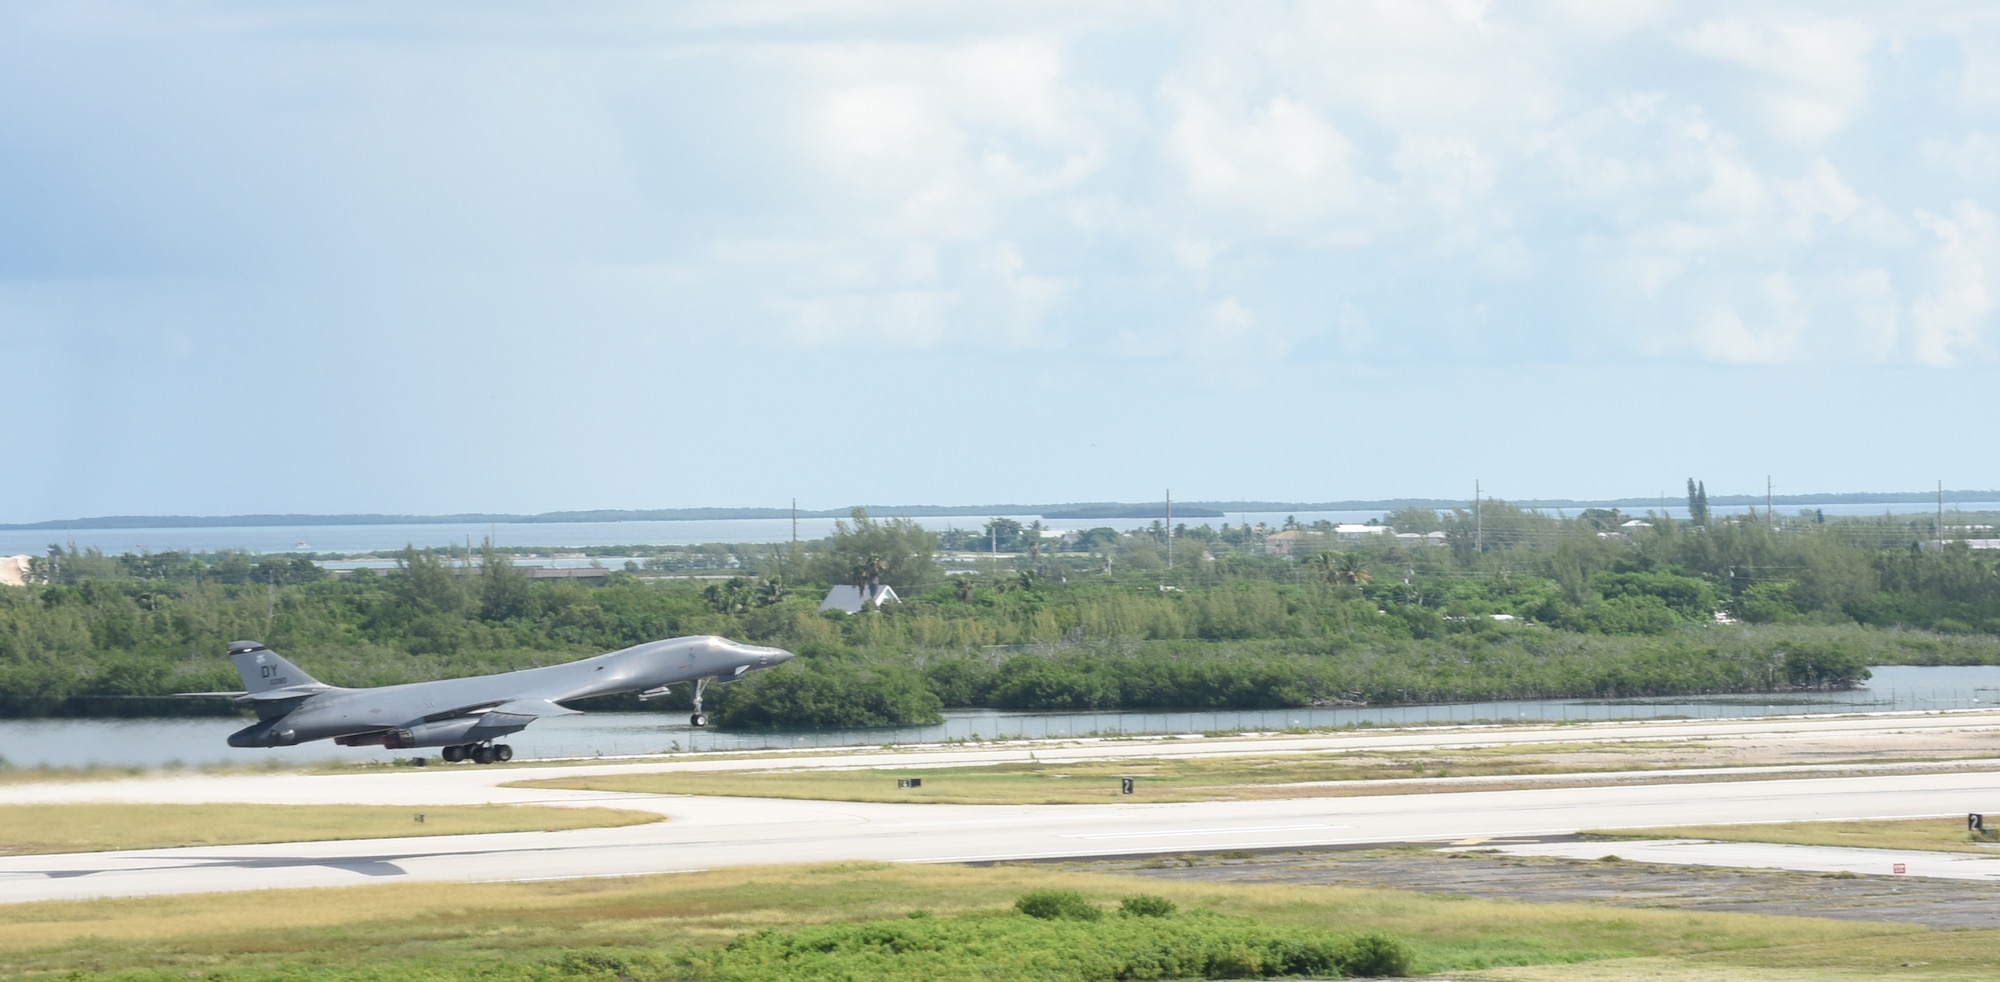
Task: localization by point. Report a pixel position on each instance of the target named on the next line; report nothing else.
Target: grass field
(1935, 834)
(1222, 778)
(586, 928)
(33, 829)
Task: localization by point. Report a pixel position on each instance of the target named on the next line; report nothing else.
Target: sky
(453, 257)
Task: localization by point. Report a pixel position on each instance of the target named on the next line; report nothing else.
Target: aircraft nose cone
(767, 656)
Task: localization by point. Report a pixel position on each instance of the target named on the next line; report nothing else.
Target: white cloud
(1773, 332)
(1279, 160)
(1976, 156)
(1979, 82)
(1819, 193)
(1878, 320)
(1448, 173)
(1599, 21)
(895, 319)
(936, 140)
(1814, 72)
(1024, 300)
(1951, 319)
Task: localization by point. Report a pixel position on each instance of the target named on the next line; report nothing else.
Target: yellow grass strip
(36, 829)
(1933, 834)
(1163, 779)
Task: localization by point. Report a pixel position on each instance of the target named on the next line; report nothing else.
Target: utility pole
(1478, 526)
(1940, 519)
(1170, 527)
(795, 537)
(1767, 500)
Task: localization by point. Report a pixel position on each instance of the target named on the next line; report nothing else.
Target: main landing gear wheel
(484, 755)
(453, 755)
(698, 719)
(502, 752)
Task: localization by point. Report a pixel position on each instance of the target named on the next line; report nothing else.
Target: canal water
(181, 742)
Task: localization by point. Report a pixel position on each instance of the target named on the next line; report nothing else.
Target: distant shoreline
(1192, 509)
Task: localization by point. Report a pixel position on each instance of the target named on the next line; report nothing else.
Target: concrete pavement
(710, 832)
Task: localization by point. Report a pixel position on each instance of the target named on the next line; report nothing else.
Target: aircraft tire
(502, 752)
(453, 755)
(483, 755)
(698, 719)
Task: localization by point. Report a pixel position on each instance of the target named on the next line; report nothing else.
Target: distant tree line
(1514, 604)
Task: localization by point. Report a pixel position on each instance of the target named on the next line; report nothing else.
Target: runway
(713, 832)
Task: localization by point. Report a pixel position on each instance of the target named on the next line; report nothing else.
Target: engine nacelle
(439, 734)
(268, 733)
(443, 733)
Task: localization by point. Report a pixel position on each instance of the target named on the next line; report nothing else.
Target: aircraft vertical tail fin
(264, 670)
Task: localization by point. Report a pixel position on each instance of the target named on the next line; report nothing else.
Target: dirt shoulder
(1933, 903)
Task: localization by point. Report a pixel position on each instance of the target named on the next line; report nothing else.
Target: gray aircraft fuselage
(294, 708)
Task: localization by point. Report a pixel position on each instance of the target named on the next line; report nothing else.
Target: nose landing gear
(699, 718)
(484, 753)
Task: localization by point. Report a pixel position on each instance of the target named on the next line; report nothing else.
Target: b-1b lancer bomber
(464, 716)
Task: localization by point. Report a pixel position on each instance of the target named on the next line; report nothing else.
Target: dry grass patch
(38, 829)
(1953, 956)
(396, 929)
(1932, 834)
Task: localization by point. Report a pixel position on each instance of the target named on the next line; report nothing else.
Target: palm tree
(1340, 568)
(1324, 566)
(1352, 569)
(771, 590)
(867, 575)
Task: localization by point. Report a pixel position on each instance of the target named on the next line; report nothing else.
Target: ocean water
(557, 535)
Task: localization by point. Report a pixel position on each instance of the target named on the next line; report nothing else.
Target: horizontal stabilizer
(280, 695)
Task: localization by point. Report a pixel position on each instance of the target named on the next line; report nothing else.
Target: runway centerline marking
(1163, 832)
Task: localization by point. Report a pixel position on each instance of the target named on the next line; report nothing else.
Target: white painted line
(1168, 832)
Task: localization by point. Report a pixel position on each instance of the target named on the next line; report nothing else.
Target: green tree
(1823, 666)
(425, 583)
(503, 589)
(1697, 502)
(906, 549)
(1005, 535)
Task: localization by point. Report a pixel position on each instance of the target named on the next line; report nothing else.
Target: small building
(1927, 545)
(1420, 538)
(1289, 541)
(14, 570)
(585, 574)
(849, 598)
(1353, 531)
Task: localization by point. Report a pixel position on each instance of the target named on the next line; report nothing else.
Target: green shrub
(992, 944)
(1051, 905)
(1146, 905)
(1377, 956)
